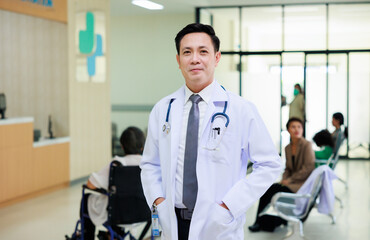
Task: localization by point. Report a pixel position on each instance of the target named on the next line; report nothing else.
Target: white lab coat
(221, 174)
(327, 195)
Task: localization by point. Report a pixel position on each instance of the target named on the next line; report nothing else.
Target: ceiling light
(147, 4)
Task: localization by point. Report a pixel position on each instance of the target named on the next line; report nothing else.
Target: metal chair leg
(340, 201)
(333, 219)
(297, 231)
(344, 182)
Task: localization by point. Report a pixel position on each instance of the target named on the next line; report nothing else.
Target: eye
(187, 52)
(203, 51)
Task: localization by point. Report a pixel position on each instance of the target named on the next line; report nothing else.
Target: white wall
(89, 102)
(143, 63)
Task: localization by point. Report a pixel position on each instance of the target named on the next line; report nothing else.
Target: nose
(195, 58)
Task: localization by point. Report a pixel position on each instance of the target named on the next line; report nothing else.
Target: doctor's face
(197, 60)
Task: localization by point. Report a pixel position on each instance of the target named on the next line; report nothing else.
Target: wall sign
(45, 3)
(55, 10)
(90, 47)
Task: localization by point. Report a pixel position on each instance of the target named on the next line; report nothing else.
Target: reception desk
(29, 169)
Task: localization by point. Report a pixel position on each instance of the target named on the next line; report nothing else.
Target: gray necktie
(190, 183)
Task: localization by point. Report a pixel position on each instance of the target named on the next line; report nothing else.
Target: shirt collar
(205, 94)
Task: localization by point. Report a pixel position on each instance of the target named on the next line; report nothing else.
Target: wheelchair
(126, 205)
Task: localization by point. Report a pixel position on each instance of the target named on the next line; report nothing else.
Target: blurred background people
(132, 142)
(323, 139)
(300, 162)
(297, 106)
(338, 121)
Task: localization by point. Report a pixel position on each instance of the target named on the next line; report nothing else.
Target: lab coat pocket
(164, 218)
(220, 224)
(223, 215)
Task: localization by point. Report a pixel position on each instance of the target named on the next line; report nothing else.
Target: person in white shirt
(132, 142)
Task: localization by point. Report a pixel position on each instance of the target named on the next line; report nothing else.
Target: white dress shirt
(206, 95)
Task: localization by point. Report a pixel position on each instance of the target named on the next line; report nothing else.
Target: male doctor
(199, 141)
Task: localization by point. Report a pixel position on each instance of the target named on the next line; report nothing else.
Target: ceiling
(125, 8)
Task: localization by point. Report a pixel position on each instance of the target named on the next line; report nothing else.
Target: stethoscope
(167, 127)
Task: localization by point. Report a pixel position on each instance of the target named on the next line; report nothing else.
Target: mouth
(196, 70)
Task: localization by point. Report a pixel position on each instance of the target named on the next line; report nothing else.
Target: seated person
(337, 121)
(132, 141)
(300, 162)
(323, 140)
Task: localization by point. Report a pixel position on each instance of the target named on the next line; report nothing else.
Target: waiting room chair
(333, 161)
(285, 205)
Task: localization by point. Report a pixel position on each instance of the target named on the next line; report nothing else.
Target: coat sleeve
(150, 165)
(287, 171)
(260, 150)
(308, 164)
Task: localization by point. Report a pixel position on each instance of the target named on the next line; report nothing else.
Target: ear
(178, 59)
(218, 57)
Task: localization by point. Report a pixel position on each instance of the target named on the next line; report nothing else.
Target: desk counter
(29, 169)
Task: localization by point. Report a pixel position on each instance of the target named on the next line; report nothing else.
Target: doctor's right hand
(159, 200)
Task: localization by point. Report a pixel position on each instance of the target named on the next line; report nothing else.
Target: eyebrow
(184, 48)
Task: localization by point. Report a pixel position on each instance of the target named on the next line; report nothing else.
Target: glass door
(292, 74)
(315, 94)
(326, 92)
(261, 85)
(359, 105)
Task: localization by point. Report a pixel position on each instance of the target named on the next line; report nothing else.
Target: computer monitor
(2, 105)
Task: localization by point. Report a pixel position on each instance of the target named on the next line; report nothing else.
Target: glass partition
(359, 105)
(305, 27)
(261, 86)
(316, 93)
(262, 29)
(205, 16)
(337, 91)
(323, 47)
(226, 23)
(227, 73)
(349, 26)
(292, 73)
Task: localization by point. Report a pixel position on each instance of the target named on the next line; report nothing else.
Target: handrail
(98, 190)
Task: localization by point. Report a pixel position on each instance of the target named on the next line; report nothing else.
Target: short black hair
(197, 28)
(293, 119)
(323, 138)
(132, 140)
(339, 116)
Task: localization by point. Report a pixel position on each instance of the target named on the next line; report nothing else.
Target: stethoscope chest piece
(166, 128)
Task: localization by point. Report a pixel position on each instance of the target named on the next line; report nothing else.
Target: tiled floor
(53, 215)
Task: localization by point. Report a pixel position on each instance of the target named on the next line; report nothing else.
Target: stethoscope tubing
(213, 116)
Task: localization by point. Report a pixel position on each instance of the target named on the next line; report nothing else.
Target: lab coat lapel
(177, 110)
(219, 95)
